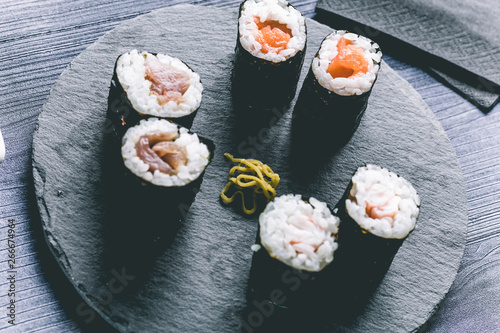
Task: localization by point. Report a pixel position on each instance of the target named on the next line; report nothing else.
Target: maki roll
(164, 154)
(152, 85)
(335, 92)
(378, 211)
(299, 242)
(151, 182)
(270, 50)
(381, 203)
(299, 234)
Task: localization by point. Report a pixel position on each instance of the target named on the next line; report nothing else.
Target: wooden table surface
(39, 39)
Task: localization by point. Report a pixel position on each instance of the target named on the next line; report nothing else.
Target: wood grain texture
(40, 38)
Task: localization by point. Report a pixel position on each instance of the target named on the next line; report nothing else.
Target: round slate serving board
(197, 281)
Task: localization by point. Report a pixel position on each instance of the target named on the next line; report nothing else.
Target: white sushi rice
(197, 153)
(340, 85)
(385, 189)
(271, 10)
(299, 234)
(131, 72)
(255, 247)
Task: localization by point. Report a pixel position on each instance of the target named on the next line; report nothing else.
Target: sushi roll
(381, 203)
(151, 182)
(378, 210)
(299, 234)
(152, 85)
(161, 153)
(269, 53)
(298, 240)
(335, 93)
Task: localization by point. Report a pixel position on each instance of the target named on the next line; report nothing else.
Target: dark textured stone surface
(198, 284)
(457, 39)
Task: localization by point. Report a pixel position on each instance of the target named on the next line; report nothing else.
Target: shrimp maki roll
(378, 210)
(152, 85)
(270, 50)
(335, 93)
(299, 234)
(299, 243)
(382, 203)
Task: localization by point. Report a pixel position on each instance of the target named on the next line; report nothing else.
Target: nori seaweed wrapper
(323, 115)
(276, 293)
(262, 84)
(121, 114)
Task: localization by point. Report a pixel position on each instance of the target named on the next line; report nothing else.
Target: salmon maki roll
(336, 90)
(147, 84)
(270, 51)
(347, 64)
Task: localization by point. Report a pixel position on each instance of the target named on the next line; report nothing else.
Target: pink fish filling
(160, 152)
(381, 202)
(167, 82)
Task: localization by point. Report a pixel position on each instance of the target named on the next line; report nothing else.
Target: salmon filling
(349, 62)
(272, 36)
(159, 151)
(167, 82)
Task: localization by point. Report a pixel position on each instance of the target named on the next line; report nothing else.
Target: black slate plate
(198, 282)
